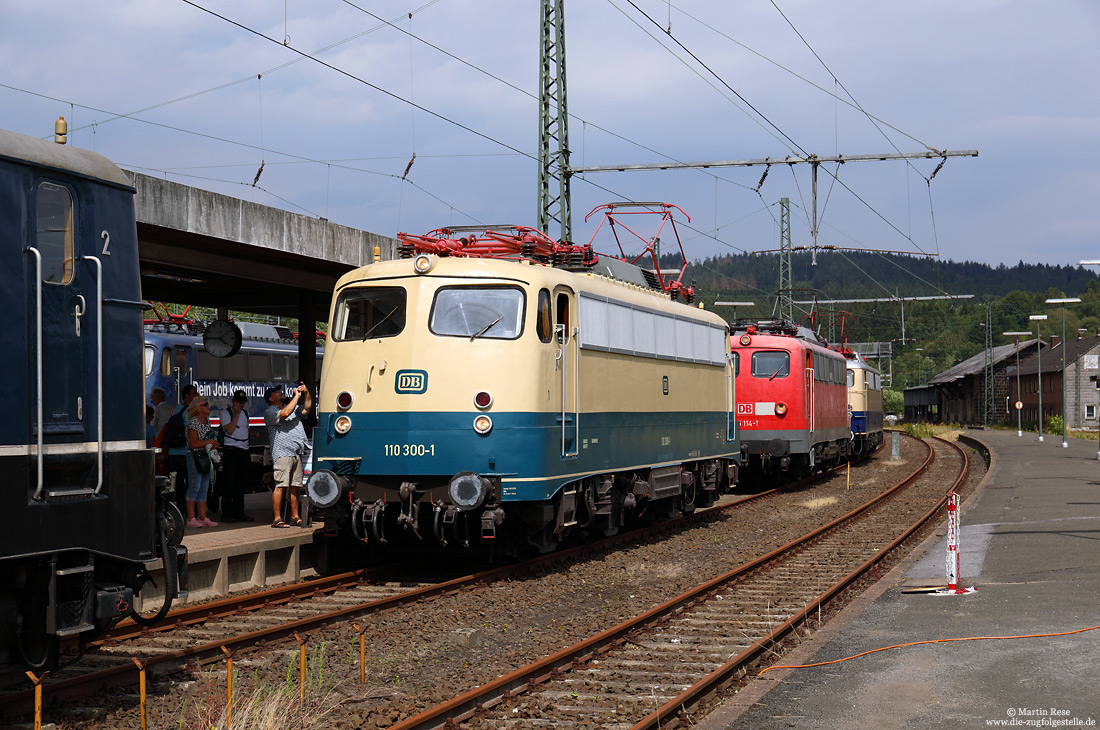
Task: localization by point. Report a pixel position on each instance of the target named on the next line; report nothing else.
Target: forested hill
(858, 275)
(927, 336)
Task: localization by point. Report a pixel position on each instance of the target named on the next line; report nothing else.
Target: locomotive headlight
(423, 263)
(483, 424)
(344, 401)
(468, 490)
(342, 425)
(483, 399)
(745, 340)
(780, 409)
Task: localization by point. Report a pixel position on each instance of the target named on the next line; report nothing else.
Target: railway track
(652, 670)
(197, 635)
(261, 622)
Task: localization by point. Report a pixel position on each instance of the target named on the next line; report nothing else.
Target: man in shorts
(288, 445)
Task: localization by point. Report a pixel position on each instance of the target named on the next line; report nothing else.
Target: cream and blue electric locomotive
(864, 404)
(82, 513)
(470, 396)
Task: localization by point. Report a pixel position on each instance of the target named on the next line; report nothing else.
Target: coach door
(811, 410)
(568, 357)
(62, 312)
(732, 362)
(65, 301)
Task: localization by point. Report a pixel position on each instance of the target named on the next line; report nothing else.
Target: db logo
(744, 409)
(413, 382)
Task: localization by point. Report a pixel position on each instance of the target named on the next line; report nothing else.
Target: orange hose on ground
(931, 641)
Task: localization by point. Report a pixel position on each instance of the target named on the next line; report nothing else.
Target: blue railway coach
(469, 398)
(82, 512)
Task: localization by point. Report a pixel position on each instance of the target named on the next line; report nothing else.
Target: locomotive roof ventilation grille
(624, 271)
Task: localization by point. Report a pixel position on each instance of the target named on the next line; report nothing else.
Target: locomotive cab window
(478, 312)
(368, 312)
(54, 211)
(150, 359)
(771, 364)
(851, 378)
(543, 317)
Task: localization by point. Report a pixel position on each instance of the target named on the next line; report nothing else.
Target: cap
(240, 396)
(269, 391)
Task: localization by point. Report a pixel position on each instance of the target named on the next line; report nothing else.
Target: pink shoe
(207, 522)
(195, 522)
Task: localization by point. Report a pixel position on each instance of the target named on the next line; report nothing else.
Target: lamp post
(1019, 404)
(1091, 263)
(1064, 301)
(1039, 361)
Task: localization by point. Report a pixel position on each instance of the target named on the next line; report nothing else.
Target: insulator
(406, 250)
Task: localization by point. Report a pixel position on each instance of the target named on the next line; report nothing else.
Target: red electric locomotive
(792, 399)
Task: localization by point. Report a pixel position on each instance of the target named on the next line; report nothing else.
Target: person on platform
(150, 434)
(177, 455)
(200, 443)
(288, 445)
(235, 460)
(162, 409)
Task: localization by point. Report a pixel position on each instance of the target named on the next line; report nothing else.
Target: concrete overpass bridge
(204, 248)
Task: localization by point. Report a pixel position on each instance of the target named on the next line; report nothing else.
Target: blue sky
(1018, 81)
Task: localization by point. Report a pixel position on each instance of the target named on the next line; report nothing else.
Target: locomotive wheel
(38, 649)
(173, 524)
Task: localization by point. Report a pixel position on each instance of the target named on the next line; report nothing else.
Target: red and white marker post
(954, 563)
(954, 547)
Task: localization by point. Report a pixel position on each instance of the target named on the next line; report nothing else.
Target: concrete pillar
(307, 344)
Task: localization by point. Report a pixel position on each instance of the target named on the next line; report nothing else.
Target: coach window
(54, 209)
(544, 317)
(207, 367)
(771, 364)
(233, 368)
(365, 312)
(280, 368)
(259, 366)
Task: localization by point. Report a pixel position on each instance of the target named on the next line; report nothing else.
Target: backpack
(175, 431)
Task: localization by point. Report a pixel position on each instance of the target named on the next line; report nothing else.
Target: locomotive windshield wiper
(485, 329)
(380, 322)
(777, 372)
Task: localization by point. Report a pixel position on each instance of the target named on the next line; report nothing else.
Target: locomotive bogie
(552, 392)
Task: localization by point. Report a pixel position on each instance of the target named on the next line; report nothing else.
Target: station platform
(1030, 544)
(239, 556)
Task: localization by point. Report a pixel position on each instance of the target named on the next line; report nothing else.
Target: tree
(892, 401)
